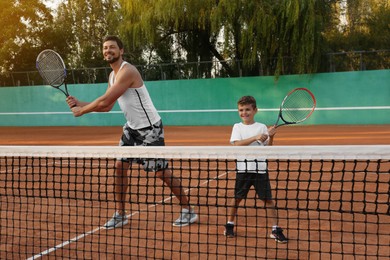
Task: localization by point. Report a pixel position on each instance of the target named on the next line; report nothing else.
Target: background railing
(331, 62)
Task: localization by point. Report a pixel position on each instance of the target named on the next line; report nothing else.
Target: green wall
(342, 98)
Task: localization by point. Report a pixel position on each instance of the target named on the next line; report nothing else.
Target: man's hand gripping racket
(296, 107)
(52, 69)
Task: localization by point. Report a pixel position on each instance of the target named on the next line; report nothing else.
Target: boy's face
(247, 113)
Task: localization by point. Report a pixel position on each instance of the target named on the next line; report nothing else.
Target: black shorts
(148, 136)
(245, 180)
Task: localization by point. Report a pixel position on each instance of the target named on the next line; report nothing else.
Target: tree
(363, 27)
(262, 33)
(246, 37)
(84, 23)
(24, 25)
(170, 31)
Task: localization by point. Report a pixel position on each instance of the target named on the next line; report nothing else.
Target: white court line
(75, 239)
(203, 110)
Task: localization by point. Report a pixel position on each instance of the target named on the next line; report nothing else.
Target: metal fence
(331, 62)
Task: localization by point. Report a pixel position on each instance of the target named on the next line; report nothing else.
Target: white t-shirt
(240, 132)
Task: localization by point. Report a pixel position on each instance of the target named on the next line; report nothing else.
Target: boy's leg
(241, 189)
(263, 190)
(233, 209)
(229, 227)
(271, 212)
(277, 232)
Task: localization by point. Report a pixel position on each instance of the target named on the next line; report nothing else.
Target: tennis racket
(52, 69)
(296, 107)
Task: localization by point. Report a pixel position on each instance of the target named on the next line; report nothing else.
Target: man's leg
(188, 215)
(121, 185)
(175, 185)
(120, 188)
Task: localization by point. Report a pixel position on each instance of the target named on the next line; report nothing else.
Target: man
(143, 127)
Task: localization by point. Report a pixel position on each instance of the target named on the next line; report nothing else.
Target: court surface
(188, 136)
(197, 135)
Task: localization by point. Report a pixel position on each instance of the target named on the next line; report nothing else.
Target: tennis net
(331, 201)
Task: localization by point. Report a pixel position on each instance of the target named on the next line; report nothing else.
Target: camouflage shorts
(148, 136)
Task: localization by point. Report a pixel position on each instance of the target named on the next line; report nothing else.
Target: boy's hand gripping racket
(52, 69)
(296, 107)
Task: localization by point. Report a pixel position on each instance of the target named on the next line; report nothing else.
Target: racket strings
(297, 106)
(51, 68)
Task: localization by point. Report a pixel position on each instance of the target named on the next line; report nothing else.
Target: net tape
(205, 152)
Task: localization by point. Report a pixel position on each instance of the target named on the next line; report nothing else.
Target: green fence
(342, 98)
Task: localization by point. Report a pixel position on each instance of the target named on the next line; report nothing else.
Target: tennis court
(56, 209)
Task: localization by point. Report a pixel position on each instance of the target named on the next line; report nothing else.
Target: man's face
(247, 113)
(111, 51)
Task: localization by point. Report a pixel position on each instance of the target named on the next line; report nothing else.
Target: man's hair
(115, 39)
(247, 100)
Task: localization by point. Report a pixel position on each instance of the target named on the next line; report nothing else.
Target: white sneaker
(186, 217)
(117, 220)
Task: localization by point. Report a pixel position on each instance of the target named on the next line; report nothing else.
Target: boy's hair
(247, 100)
(115, 39)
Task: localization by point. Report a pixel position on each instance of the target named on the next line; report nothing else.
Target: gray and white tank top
(137, 105)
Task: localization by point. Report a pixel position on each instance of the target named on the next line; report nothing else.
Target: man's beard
(113, 60)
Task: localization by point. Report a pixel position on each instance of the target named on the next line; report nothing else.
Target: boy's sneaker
(117, 220)
(186, 217)
(229, 230)
(278, 235)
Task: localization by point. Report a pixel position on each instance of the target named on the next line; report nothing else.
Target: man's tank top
(137, 105)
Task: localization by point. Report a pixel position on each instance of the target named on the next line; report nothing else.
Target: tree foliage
(25, 25)
(365, 25)
(260, 32)
(85, 23)
(271, 37)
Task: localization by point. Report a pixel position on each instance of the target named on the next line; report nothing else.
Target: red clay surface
(197, 135)
(155, 237)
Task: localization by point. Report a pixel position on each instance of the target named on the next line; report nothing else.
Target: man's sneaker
(278, 235)
(186, 217)
(117, 220)
(229, 230)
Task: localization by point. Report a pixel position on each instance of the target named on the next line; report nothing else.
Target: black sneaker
(229, 230)
(278, 235)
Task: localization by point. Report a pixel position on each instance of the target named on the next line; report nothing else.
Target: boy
(249, 132)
